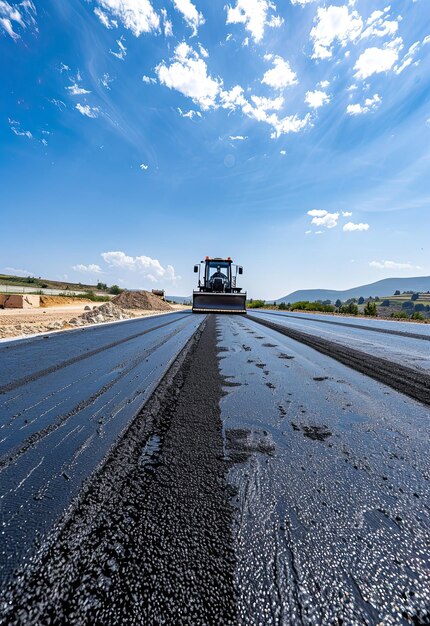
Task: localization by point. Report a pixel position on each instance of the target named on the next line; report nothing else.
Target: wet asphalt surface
(404, 343)
(261, 483)
(332, 507)
(64, 400)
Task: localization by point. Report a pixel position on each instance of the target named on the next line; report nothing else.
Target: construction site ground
(52, 314)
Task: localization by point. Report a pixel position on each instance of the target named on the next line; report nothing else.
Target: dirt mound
(46, 301)
(107, 312)
(141, 300)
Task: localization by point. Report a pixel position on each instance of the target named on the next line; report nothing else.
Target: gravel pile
(107, 312)
(144, 300)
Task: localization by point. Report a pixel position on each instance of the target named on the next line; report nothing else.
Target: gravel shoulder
(16, 323)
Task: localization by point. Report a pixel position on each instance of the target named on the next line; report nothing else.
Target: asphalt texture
(331, 471)
(254, 480)
(404, 343)
(64, 400)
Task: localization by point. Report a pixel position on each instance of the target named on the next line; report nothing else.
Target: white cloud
(254, 14)
(283, 152)
(21, 15)
(148, 80)
(281, 75)
(308, 232)
(18, 272)
(302, 2)
(167, 24)
(104, 18)
(350, 227)
(268, 104)
(106, 80)
(143, 166)
(190, 114)
(88, 111)
(188, 73)
(316, 99)
(346, 213)
(144, 265)
(135, 15)
(237, 138)
(333, 24)
(393, 265)
(203, 51)
(379, 26)
(122, 50)
(287, 124)
(192, 17)
(92, 268)
(370, 104)
(323, 218)
(376, 60)
(408, 59)
(17, 130)
(58, 103)
(324, 84)
(75, 90)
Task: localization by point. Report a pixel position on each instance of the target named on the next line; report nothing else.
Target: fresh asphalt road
(404, 343)
(64, 400)
(332, 520)
(328, 470)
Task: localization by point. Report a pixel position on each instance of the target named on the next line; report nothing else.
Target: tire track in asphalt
(54, 368)
(386, 331)
(401, 378)
(11, 456)
(148, 540)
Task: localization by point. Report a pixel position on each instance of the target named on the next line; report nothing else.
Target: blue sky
(138, 136)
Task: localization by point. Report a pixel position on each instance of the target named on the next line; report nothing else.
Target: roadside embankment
(63, 313)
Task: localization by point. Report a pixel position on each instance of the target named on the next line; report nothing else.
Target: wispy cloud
(17, 130)
(17, 15)
(192, 17)
(87, 111)
(121, 53)
(92, 268)
(393, 265)
(150, 268)
(18, 272)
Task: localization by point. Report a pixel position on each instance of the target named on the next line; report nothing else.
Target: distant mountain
(385, 287)
(179, 299)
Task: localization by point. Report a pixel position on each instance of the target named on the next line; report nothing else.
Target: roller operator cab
(217, 287)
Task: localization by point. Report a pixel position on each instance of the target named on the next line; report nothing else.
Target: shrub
(415, 296)
(385, 303)
(397, 293)
(115, 290)
(371, 309)
(361, 300)
(305, 305)
(420, 307)
(282, 306)
(101, 286)
(338, 303)
(350, 309)
(401, 315)
(408, 305)
(257, 304)
(417, 316)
